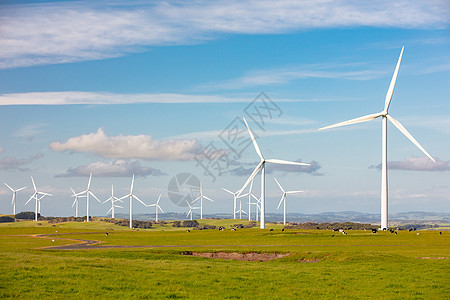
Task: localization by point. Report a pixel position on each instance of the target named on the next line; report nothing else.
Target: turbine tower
(201, 200)
(113, 199)
(283, 199)
(86, 193)
(261, 166)
(157, 207)
(13, 201)
(36, 195)
(235, 197)
(131, 195)
(385, 116)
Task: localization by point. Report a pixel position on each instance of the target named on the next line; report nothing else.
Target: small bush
(6, 219)
(26, 215)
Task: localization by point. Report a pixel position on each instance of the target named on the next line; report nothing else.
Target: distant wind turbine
(36, 195)
(283, 199)
(261, 166)
(75, 202)
(385, 116)
(131, 195)
(157, 207)
(235, 197)
(13, 201)
(86, 193)
(201, 200)
(190, 209)
(113, 200)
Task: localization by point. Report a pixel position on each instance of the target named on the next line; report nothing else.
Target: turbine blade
(286, 162)
(159, 208)
(196, 199)
(118, 206)
(73, 192)
(44, 194)
(135, 197)
(75, 201)
(294, 192)
(390, 91)
(9, 187)
(254, 141)
(228, 191)
(89, 182)
(159, 198)
(34, 185)
(281, 201)
(132, 184)
(22, 188)
(124, 197)
(354, 121)
(92, 194)
(279, 184)
(109, 210)
(409, 136)
(32, 197)
(207, 198)
(255, 171)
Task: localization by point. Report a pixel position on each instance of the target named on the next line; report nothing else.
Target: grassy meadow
(321, 263)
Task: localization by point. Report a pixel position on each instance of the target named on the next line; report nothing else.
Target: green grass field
(320, 265)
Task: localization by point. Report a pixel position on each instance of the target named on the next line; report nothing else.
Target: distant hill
(343, 216)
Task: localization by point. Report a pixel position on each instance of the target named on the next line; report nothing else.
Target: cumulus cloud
(243, 170)
(48, 33)
(130, 146)
(12, 163)
(116, 168)
(417, 164)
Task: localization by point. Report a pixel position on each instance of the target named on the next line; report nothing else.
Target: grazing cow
(106, 233)
(440, 232)
(271, 229)
(233, 229)
(334, 229)
(395, 232)
(343, 232)
(374, 231)
(187, 230)
(283, 230)
(332, 235)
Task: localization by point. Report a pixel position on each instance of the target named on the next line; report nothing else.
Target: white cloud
(417, 164)
(13, 163)
(74, 97)
(116, 168)
(137, 146)
(49, 33)
(285, 75)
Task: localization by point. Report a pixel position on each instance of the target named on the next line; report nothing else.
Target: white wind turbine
(131, 195)
(283, 199)
(37, 198)
(157, 207)
(190, 209)
(86, 193)
(235, 197)
(13, 201)
(113, 199)
(261, 166)
(385, 116)
(75, 202)
(240, 211)
(201, 200)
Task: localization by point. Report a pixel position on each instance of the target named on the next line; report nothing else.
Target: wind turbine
(283, 199)
(88, 192)
(385, 116)
(235, 197)
(131, 195)
(240, 211)
(37, 198)
(156, 205)
(201, 200)
(190, 209)
(13, 201)
(75, 202)
(261, 166)
(113, 199)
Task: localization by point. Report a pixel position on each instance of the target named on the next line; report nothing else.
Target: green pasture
(322, 264)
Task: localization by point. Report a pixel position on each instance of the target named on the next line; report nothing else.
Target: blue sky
(122, 88)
